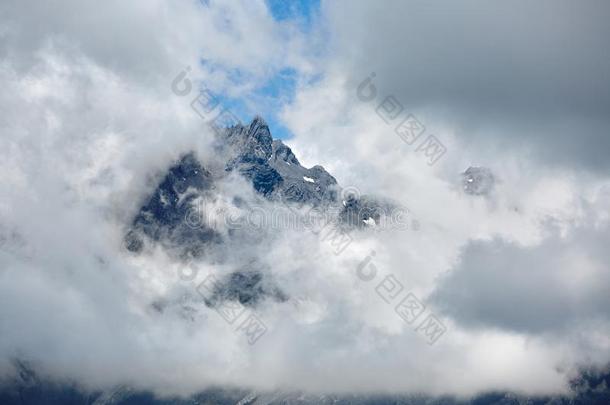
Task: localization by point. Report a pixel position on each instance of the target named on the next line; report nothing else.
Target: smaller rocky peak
(477, 180)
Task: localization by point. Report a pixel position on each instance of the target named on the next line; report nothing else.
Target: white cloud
(89, 125)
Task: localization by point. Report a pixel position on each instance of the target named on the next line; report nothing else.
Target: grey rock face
(163, 216)
(314, 186)
(272, 167)
(248, 287)
(249, 149)
(477, 181)
(358, 211)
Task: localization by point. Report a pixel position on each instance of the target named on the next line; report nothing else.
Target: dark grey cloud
(560, 284)
(529, 75)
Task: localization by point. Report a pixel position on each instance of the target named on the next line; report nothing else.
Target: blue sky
(267, 100)
(296, 9)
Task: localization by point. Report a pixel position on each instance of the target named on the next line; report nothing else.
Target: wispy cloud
(516, 276)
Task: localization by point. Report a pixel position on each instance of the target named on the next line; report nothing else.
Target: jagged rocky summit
(269, 165)
(272, 167)
(276, 176)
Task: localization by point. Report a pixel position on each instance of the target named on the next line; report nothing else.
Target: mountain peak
(270, 166)
(258, 120)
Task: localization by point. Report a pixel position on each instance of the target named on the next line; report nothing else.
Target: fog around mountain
(145, 243)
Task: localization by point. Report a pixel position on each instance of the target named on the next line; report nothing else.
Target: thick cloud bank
(518, 277)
